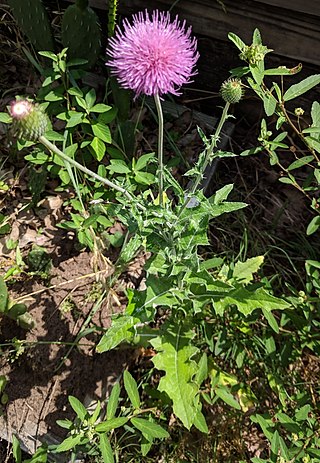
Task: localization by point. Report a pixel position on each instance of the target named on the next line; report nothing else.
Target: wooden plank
(290, 33)
(311, 7)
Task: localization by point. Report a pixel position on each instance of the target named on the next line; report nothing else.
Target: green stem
(160, 148)
(54, 149)
(208, 157)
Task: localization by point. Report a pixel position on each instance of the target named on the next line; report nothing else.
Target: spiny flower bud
(232, 90)
(29, 120)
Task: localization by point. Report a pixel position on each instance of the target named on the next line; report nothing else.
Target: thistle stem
(208, 157)
(160, 147)
(51, 147)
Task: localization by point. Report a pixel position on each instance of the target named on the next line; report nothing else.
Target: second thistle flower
(153, 55)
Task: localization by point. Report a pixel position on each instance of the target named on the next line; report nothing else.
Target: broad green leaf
(48, 54)
(114, 423)
(98, 147)
(227, 397)
(286, 180)
(302, 87)
(313, 225)
(75, 91)
(219, 209)
(76, 62)
(71, 150)
(265, 424)
(54, 136)
(106, 449)
(174, 357)
(222, 194)
(302, 413)
(236, 40)
(283, 71)
(251, 151)
(69, 443)
(300, 162)
(200, 422)
(78, 407)
(314, 143)
(121, 330)
(95, 415)
(54, 95)
(243, 271)
(100, 108)
(81, 102)
(311, 130)
(144, 178)
(158, 292)
(145, 446)
(16, 449)
(202, 372)
(5, 118)
(74, 118)
(269, 104)
(256, 37)
(40, 456)
(315, 114)
(3, 296)
(132, 389)
(102, 131)
(257, 72)
(275, 443)
(271, 320)
(108, 116)
(118, 166)
(247, 301)
(66, 424)
(149, 429)
(90, 98)
(113, 401)
(211, 263)
(143, 161)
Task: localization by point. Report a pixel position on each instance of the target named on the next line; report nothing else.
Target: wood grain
(291, 28)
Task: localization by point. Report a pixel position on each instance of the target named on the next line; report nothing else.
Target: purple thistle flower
(152, 55)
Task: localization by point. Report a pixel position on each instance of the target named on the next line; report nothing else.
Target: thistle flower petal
(153, 55)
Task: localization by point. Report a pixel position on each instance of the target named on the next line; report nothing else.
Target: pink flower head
(153, 55)
(19, 109)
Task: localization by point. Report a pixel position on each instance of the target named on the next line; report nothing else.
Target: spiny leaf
(174, 357)
(247, 301)
(243, 271)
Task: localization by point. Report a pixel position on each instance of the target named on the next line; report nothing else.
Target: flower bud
(232, 90)
(299, 112)
(29, 120)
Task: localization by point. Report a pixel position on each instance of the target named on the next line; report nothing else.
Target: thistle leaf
(174, 357)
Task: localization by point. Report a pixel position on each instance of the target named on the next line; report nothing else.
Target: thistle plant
(154, 56)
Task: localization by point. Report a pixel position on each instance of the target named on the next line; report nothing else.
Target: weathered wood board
(291, 28)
